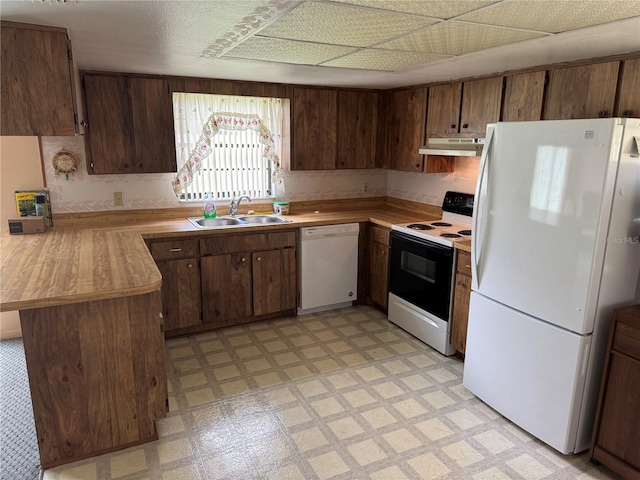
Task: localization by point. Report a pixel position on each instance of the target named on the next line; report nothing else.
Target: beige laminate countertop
(72, 265)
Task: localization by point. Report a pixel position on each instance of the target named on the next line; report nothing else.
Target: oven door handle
(480, 212)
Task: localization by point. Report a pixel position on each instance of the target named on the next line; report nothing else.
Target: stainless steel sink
(241, 221)
(263, 219)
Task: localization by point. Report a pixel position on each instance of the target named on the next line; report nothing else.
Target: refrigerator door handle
(478, 212)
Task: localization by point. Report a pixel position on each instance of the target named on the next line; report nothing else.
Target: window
(236, 158)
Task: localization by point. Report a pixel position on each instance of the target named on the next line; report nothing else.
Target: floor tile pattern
(342, 394)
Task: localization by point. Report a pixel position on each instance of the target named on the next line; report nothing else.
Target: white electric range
(422, 267)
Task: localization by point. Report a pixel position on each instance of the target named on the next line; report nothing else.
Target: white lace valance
(228, 121)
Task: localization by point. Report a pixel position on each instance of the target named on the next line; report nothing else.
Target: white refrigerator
(556, 248)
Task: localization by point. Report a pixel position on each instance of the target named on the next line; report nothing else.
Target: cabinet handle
(467, 266)
(453, 126)
(243, 259)
(175, 250)
(259, 259)
(465, 125)
(627, 113)
(417, 165)
(602, 113)
(189, 265)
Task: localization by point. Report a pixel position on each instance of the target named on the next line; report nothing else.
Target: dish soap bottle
(209, 207)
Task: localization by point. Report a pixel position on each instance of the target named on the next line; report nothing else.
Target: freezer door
(540, 219)
(531, 372)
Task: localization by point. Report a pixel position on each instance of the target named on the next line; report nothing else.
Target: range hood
(453, 147)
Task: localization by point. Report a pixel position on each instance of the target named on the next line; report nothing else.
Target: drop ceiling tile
(555, 15)
(453, 38)
(342, 25)
(384, 60)
(286, 51)
(428, 8)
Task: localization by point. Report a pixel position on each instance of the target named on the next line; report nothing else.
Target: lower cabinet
(461, 297)
(247, 277)
(379, 266)
(177, 261)
(616, 436)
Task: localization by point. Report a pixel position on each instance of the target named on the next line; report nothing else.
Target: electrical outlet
(365, 187)
(117, 199)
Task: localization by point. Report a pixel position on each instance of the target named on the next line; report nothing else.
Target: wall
(82, 192)
(20, 169)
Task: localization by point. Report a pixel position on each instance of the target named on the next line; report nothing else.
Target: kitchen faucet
(235, 203)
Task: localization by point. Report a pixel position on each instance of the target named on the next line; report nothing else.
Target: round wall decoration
(64, 162)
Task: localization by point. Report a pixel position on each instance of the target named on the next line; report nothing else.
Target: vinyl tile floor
(342, 394)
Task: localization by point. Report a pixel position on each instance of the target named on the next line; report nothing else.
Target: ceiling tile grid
(393, 35)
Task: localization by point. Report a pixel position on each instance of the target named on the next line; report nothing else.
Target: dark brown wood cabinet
(382, 130)
(314, 129)
(461, 297)
(481, 101)
(130, 124)
(379, 266)
(584, 91)
(523, 96)
(464, 109)
(247, 277)
(406, 118)
(357, 123)
(616, 436)
(443, 115)
(36, 81)
(628, 104)
(177, 261)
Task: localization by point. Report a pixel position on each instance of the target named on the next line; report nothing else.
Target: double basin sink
(239, 221)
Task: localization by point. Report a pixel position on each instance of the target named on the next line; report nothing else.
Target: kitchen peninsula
(89, 309)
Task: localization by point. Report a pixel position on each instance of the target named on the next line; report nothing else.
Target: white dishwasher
(328, 267)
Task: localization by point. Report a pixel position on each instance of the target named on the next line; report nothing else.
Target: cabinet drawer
(464, 263)
(166, 250)
(222, 244)
(380, 235)
(626, 339)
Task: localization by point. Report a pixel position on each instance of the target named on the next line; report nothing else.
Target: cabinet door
(586, 91)
(443, 114)
(460, 315)
(109, 132)
(357, 123)
(379, 273)
(152, 123)
(523, 97)
(407, 116)
(314, 129)
(481, 100)
(628, 90)
(226, 288)
(35, 82)
(274, 281)
(180, 293)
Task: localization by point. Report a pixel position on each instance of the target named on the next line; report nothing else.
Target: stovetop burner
(450, 235)
(441, 224)
(465, 232)
(419, 226)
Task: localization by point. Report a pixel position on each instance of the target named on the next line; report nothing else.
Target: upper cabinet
(38, 95)
(629, 90)
(406, 117)
(481, 100)
(585, 91)
(523, 96)
(443, 116)
(464, 109)
(130, 124)
(314, 129)
(357, 123)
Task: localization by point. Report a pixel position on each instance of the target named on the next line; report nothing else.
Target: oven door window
(421, 273)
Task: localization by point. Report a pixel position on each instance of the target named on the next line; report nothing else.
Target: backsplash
(82, 192)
